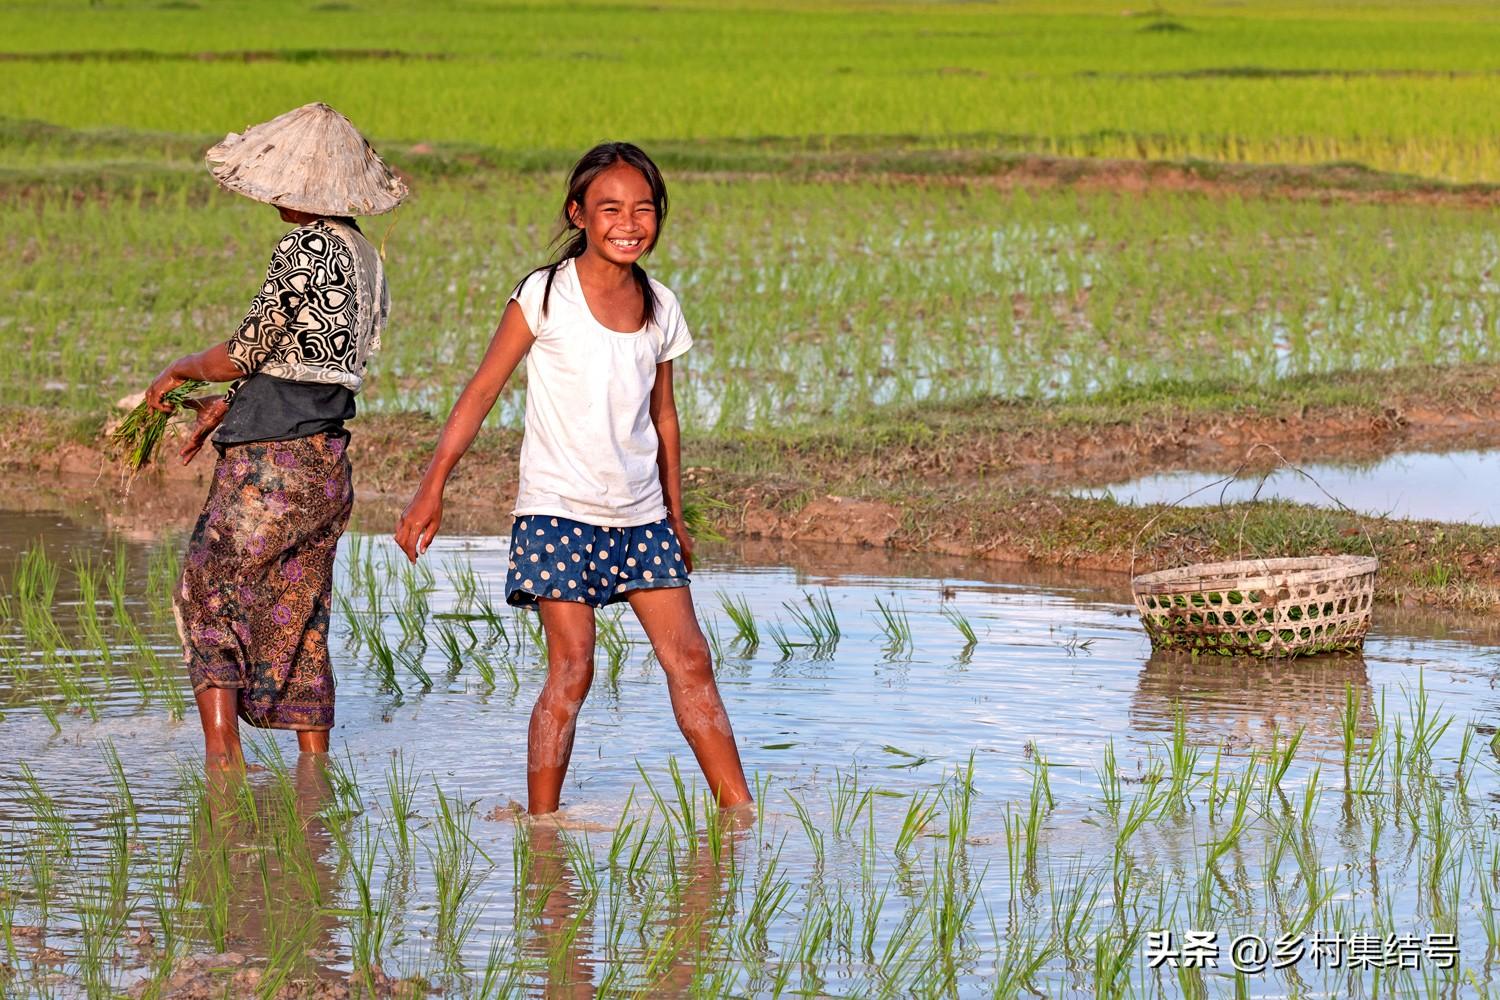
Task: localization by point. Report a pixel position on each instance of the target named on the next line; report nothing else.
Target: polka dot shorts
(566, 560)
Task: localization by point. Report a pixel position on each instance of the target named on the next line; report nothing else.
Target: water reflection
(1246, 702)
(560, 907)
(258, 871)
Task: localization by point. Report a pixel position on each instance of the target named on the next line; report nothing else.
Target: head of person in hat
(253, 601)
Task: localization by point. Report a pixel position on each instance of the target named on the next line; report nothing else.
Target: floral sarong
(254, 599)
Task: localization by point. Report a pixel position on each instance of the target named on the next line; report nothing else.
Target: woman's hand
(684, 540)
(161, 385)
(420, 521)
(211, 413)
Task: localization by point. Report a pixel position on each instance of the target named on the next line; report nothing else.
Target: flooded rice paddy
(1454, 486)
(970, 783)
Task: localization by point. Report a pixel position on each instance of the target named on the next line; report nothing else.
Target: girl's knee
(570, 677)
(689, 664)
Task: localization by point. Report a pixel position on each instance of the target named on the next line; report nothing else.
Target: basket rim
(1268, 574)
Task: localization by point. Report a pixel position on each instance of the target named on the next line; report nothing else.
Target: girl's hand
(684, 540)
(211, 413)
(420, 522)
(160, 386)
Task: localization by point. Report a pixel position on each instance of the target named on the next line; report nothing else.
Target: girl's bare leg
(221, 728)
(570, 673)
(667, 616)
(313, 741)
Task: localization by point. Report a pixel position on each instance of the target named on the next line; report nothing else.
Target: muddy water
(1457, 486)
(1060, 668)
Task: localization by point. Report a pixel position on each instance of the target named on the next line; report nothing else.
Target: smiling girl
(598, 514)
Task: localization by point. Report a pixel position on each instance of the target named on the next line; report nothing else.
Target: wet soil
(981, 480)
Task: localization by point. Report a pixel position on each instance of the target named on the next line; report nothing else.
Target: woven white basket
(1260, 607)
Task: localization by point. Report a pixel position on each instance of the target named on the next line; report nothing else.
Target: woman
(253, 603)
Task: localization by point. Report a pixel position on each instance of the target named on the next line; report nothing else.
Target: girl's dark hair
(574, 240)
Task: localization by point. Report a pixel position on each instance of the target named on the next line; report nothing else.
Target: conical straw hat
(311, 160)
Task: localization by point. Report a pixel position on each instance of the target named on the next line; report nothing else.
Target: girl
(252, 605)
(598, 515)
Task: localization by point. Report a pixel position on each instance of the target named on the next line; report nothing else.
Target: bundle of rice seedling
(696, 516)
(137, 436)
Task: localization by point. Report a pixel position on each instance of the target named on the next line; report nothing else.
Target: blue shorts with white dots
(561, 559)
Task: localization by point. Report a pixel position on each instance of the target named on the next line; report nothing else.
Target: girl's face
(618, 215)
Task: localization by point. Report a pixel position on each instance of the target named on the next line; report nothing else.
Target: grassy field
(813, 296)
(810, 299)
(1387, 86)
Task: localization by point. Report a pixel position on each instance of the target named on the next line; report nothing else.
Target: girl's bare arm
(669, 456)
(423, 516)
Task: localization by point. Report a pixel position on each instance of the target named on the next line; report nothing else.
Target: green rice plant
(1349, 728)
(115, 581)
(846, 802)
(747, 633)
(919, 809)
(87, 576)
(715, 641)
(35, 584)
(895, 624)
(124, 797)
(345, 800)
(163, 570)
(1426, 728)
(1279, 759)
(965, 628)
(383, 659)
(1017, 964)
(1111, 785)
(53, 829)
(464, 581)
(818, 620)
(785, 644)
(400, 794)
(371, 919)
(454, 650)
(698, 512)
(456, 866)
(1182, 764)
(135, 438)
(814, 834)
(615, 643)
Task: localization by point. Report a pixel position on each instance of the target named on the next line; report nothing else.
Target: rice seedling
(1426, 728)
(747, 632)
(964, 626)
(371, 920)
(135, 439)
(456, 869)
(400, 793)
(163, 570)
(87, 577)
(612, 638)
(710, 628)
(1110, 782)
(383, 659)
(1182, 764)
(464, 581)
(818, 620)
(919, 809)
(896, 626)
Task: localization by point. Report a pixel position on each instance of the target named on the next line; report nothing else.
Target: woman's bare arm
(211, 365)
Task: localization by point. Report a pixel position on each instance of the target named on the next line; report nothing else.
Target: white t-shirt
(589, 449)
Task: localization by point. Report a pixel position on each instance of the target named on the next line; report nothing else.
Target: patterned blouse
(319, 314)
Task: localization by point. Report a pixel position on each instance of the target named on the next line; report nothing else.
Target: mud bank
(980, 481)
